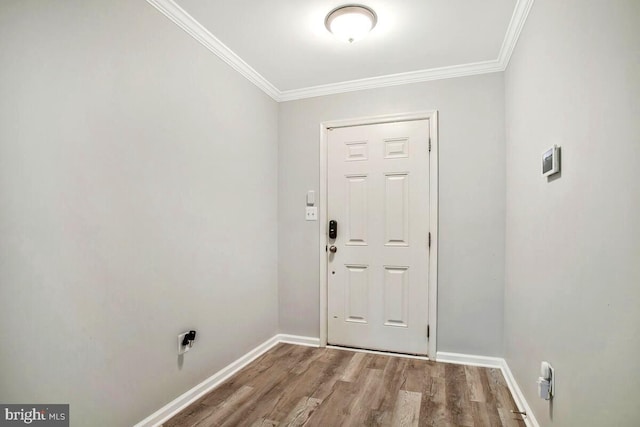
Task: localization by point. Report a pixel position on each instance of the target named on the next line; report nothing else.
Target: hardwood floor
(293, 385)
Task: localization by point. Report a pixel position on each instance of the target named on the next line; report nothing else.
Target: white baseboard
(498, 363)
(172, 408)
(299, 340)
(469, 359)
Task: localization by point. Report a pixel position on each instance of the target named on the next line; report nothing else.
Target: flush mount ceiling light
(350, 22)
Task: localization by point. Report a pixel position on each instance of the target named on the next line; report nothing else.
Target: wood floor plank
(354, 367)
(294, 386)
(262, 422)
(346, 402)
(474, 383)
(257, 368)
(267, 387)
(334, 408)
(416, 371)
(436, 369)
(427, 378)
(480, 414)
(337, 361)
(301, 413)
(309, 357)
(374, 389)
(287, 357)
(215, 415)
(458, 407)
(304, 385)
(433, 409)
(491, 400)
(189, 416)
(395, 378)
(366, 399)
(407, 410)
(265, 391)
(378, 361)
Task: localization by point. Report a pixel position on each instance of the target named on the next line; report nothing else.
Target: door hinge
(428, 331)
(429, 239)
(429, 144)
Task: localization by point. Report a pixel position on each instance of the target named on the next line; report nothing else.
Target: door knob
(333, 249)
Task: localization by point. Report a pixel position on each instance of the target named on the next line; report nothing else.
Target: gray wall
(472, 190)
(137, 200)
(573, 244)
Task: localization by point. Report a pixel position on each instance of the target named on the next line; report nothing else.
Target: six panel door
(378, 192)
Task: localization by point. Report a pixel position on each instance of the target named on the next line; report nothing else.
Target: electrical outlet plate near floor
(182, 349)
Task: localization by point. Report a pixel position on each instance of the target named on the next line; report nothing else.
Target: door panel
(357, 293)
(357, 208)
(378, 192)
(396, 283)
(396, 210)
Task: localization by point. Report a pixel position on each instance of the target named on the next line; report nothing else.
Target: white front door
(378, 194)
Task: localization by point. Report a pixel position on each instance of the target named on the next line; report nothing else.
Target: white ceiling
(283, 46)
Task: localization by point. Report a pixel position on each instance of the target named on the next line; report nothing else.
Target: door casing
(432, 116)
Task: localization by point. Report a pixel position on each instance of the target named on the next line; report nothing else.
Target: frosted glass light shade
(351, 22)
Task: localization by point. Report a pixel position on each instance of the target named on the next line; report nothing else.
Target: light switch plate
(311, 213)
(311, 198)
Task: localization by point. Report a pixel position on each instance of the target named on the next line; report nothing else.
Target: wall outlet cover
(182, 349)
(311, 213)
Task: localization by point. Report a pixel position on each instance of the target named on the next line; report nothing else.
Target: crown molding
(519, 17)
(195, 29)
(175, 13)
(393, 80)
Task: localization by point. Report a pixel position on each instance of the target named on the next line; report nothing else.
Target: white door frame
(432, 116)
